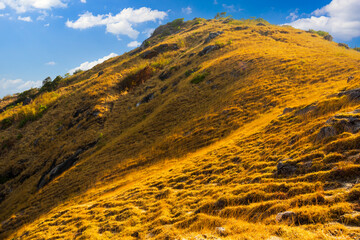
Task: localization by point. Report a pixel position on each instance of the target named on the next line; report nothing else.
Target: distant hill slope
(212, 129)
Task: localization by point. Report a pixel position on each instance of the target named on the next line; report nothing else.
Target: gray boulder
(285, 216)
(208, 49)
(285, 168)
(213, 35)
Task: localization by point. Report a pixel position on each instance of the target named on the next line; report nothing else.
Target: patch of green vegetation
(177, 23)
(191, 71)
(32, 116)
(49, 85)
(7, 122)
(198, 78)
(357, 49)
(323, 34)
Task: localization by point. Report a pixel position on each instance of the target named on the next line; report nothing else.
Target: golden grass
(198, 159)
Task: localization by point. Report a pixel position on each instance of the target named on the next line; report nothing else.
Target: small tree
(220, 15)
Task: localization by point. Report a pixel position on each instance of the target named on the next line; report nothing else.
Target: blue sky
(41, 38)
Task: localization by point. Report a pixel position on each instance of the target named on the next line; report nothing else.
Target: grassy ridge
(194, 152)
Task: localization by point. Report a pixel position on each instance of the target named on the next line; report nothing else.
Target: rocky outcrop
(213, 35)
(285, 168)
(353, 94)
(208, 49)
(56, 170)
(285, 216)
(146, 99)
(159, 49)
(338, 124)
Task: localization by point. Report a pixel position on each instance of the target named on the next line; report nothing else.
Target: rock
(350, 78)
(146, 99)
(221, 231)
(27, 101)
(208, 49)
(165, 75)
(100, 73)
(285, 216)
(306, 109)
(287, 110)
(353, 94)
(260, 24)
(286, 168)
(55, 171)
(343, 45)
(213, 35)
(149, 54)
(159, 49)
(166, 47)
(328, 37)
(241, 28)
(163, 89)
(339, 124)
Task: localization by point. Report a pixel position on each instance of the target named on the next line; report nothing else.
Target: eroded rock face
(213, 35)
(338, 124)
(146, 99)
(55, 171)
(159, 49)
(353, 94)
(208, 49)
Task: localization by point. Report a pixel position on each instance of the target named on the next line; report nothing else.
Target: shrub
(177, 23)
(198, 78)
(191, 71)
(7, 122)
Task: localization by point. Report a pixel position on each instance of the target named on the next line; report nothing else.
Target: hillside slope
(211, 129)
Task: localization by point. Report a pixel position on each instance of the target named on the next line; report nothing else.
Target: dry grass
(197, 159)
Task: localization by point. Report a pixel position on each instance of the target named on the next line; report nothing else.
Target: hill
(212, 129)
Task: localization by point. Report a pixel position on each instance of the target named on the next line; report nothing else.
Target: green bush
(198, 78)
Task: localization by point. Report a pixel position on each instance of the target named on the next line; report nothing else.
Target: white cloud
(2, 5)
(52, 63)
(83, 1)
(148, 32)
(340, 18)
(186, 10)
(47, 25)
(133, 44)
(293, 15)
(231, 8)
(215, 2)
(25, 19)
(121, 23)
(42, 17)
(9, 86)
(21, 6)
(88, 65)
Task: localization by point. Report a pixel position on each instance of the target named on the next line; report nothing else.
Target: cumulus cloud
(88, 65)
(21, 6)
(2, 5)
(119, 24)
(83, 1)
(186, 10)
(134, 44)
(11, 86)
(340, 18)
(25, 19)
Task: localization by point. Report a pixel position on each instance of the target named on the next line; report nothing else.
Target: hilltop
(211, 129)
